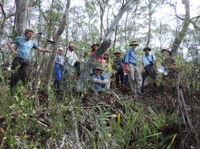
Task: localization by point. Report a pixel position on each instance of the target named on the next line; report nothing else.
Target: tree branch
(3, 11)
(107, 41)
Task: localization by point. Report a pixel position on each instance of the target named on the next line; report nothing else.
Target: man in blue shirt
(23, 46)
(134, 76)
(99, 80)
(148, 62)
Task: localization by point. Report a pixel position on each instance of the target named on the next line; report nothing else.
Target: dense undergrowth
(112, 120)
(106, 121)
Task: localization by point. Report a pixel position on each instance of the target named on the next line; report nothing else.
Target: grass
(99, 124)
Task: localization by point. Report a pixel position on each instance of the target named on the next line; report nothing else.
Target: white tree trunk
(21, 16)
(180, 36)
(107, 40)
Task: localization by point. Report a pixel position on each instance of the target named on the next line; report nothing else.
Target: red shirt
(99, 59)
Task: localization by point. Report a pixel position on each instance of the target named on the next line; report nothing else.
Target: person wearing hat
(99, 79)
(107, 67)
(94, 47)
(168, 62)
(58, 70)
(134, 76)
(148, 64)
(118, 67)
(23, 46)
(73, 59)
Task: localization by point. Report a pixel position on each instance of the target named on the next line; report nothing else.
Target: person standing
(118, 66)
(23, 46)
(73, 60)
(58, 70)
(169, 78)
(148, 63)
(134, 76)
(168, 63)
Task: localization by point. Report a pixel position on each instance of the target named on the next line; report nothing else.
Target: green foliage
(99, 125)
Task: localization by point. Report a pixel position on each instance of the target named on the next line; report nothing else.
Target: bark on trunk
(107, 40)
(180, 36)
(21, 16)
(57, 40)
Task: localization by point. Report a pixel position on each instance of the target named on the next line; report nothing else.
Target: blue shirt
(99, 87)
(130, 57)
(24, 47)
(118, 63)
(147, 59)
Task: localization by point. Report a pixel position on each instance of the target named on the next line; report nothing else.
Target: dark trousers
(21, 73)
(149, 71)
(119, 77)
(78, 68)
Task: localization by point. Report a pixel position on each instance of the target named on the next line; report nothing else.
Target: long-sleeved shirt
(60, 59)
(72, 57)
(130, 57)
(118, 64)
(99, 86)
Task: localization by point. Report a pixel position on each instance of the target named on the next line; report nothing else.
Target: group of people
(125, 70)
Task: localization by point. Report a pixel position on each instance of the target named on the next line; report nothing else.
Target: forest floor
(159, 99)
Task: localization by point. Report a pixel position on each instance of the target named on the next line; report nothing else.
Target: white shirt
(60, 60)
(71, 55)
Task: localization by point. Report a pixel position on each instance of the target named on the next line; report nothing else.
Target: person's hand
(128, 68)
(49, 51)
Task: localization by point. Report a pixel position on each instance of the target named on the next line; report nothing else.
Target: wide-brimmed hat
(147, 48)
(106, 54)
(117, 52)
(133, 43)
(98, 68)
(71, 45)
(163, 50)
(60, 49)
(94, 44)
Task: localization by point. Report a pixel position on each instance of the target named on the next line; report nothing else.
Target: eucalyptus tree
(151, 7)
(102, 5)
(162, 34)
(5, 15)
(107, 40)
(92, 14)
(181, 34)
(57, 39)
(21, 16)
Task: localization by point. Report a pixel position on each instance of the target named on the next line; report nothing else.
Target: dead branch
(183, 110)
